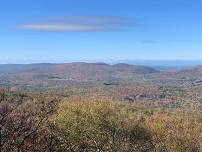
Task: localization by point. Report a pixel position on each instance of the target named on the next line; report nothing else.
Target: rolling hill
(75, 71)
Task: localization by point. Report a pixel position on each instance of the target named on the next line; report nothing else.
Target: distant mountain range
(68, 74)
(152, 63)
(90, 69)
(165, 64)
(76, 71)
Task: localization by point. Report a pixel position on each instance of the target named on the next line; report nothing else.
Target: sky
(100, 30)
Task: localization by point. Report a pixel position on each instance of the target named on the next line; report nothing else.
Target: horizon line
(148, 62)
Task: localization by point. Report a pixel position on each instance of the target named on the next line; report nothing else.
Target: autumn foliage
(45, 123)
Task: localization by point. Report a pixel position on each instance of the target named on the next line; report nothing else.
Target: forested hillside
(47, 123)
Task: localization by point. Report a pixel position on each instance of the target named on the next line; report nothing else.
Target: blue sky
(96, 30)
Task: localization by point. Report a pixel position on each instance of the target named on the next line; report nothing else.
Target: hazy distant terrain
(95, 72)
(77, 72)
(119, 81)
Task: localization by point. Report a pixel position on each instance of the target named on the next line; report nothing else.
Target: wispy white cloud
(79, 24)
(60, 27)
(149, 41)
